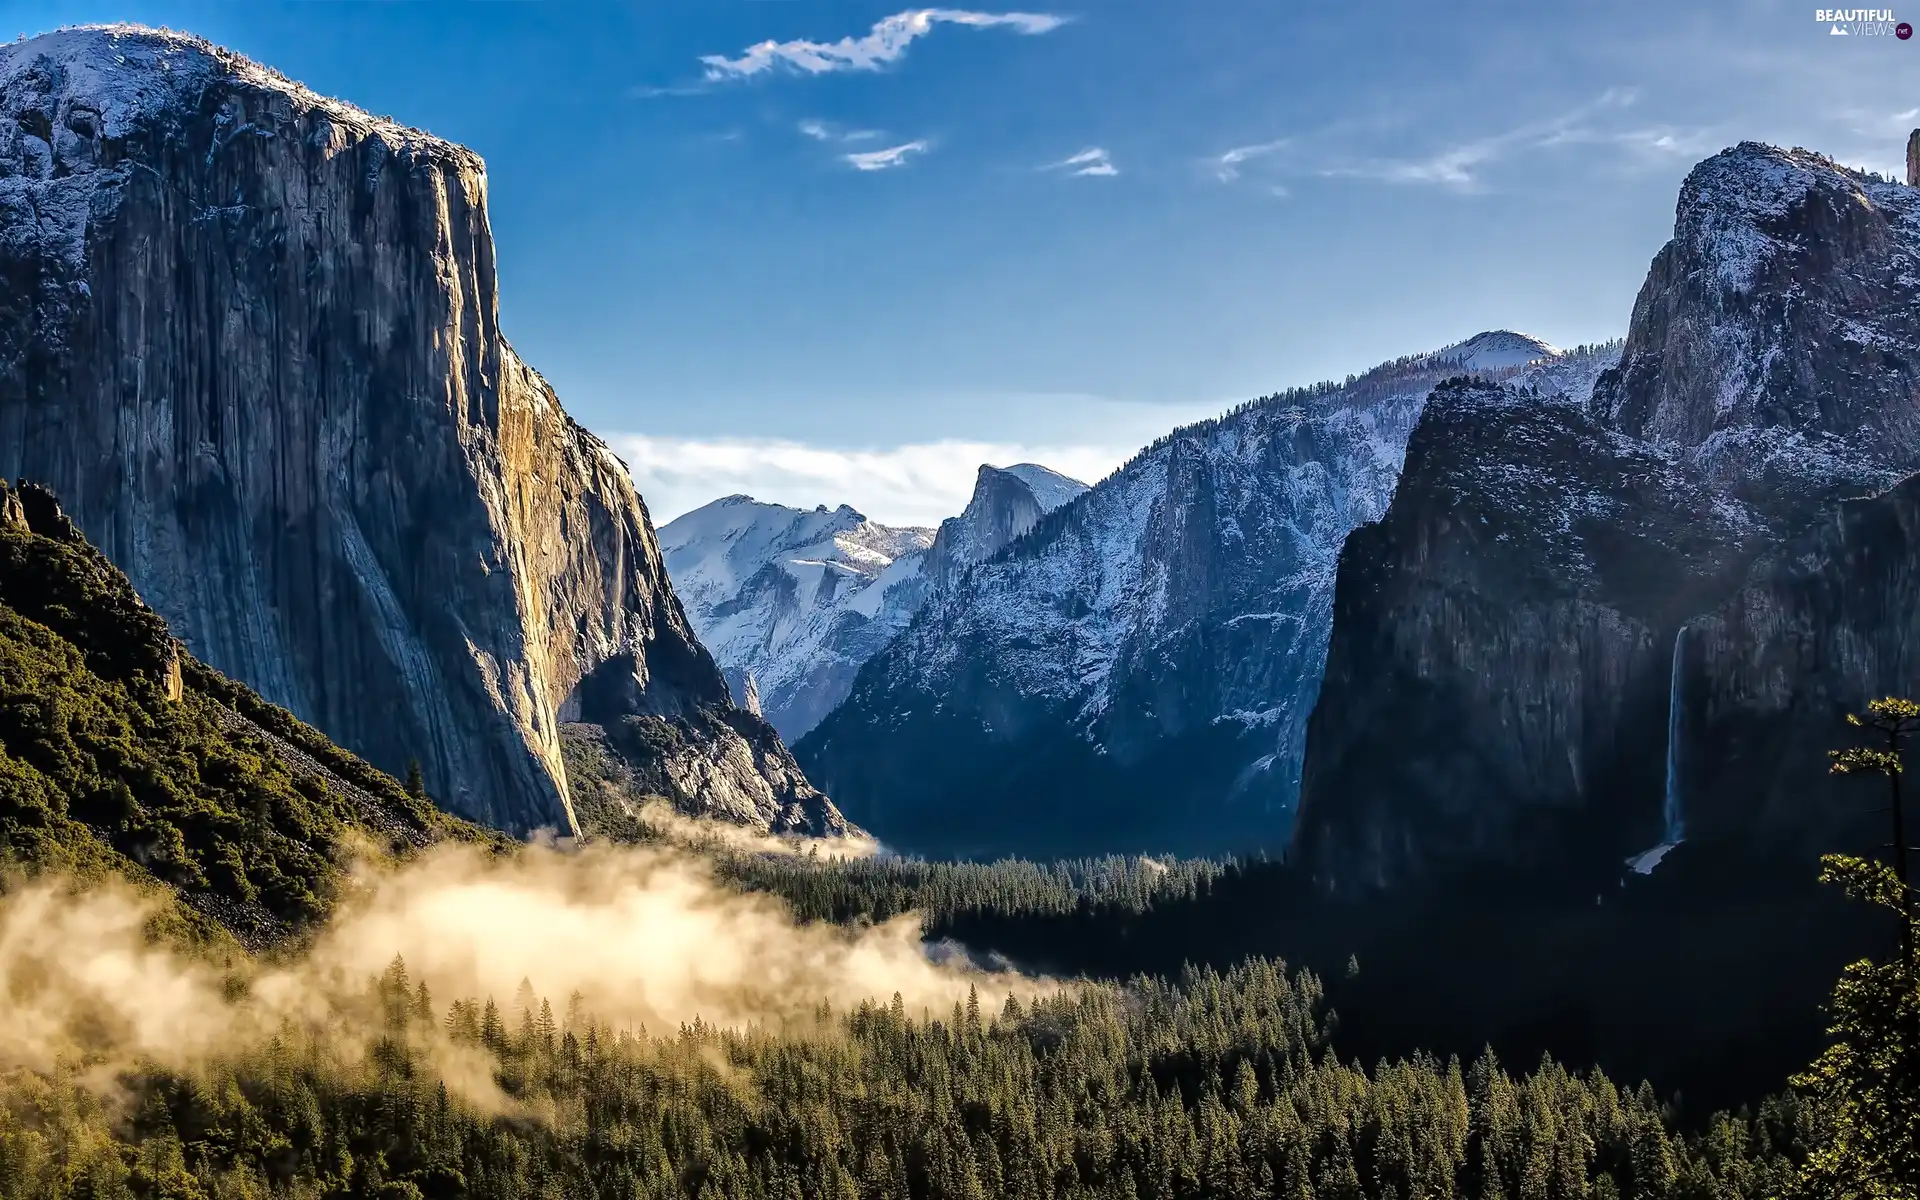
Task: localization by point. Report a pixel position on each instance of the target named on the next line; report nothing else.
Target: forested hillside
(120, 752)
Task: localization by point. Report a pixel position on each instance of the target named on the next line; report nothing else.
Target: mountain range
(1493, 606)
(1137, 670)
(792, 603)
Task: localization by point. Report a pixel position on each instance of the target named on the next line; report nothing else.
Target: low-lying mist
(637, 937)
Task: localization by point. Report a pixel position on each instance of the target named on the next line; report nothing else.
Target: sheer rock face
(1006, 503)
(1508, 681)
(1774, 342)
(1501, 644)
(250, 336)
(1825, 623)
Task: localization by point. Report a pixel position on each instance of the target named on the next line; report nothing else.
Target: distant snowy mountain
(1145, 658)
(792, 603)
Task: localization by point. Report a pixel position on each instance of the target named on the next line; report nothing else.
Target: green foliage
(822, 887)
(1219, 1085)
(1865, 1087)
(118, 751)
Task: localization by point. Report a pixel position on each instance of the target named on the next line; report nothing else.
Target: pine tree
(1866, 1085)
(1894, 720)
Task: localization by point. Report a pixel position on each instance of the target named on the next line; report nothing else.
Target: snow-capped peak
(717, 547)
(122, 73)
(1494, 350)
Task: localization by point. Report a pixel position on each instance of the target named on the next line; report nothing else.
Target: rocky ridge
(792, 602)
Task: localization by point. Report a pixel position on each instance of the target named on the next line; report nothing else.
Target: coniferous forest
(1198, 1082)
(1214, 1085)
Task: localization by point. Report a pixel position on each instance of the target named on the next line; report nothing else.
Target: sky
(834, 252)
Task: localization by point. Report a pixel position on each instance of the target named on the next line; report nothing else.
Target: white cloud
(915, 484)
(880, 160)
(885, 43)
(1093, 161)
(1227, 167)
(646, 92)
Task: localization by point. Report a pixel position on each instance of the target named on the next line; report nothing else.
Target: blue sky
(852, 264)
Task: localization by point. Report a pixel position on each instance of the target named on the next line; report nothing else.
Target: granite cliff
(1501, 643)
(1583, 630)
(250, 336)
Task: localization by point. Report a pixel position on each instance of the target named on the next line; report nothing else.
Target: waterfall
(1676, 823)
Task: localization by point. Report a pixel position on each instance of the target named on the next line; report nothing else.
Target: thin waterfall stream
(1674, 809)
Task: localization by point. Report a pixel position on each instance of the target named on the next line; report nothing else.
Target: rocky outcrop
(1774, 341)
(1144, 658)
(251, 337)
(1006, 503)
(1578, 633)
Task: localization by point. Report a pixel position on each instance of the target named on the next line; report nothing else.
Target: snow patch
(1494, 350)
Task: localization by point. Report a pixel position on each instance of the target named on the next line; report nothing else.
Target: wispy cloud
(884, 44)
(1227, 166)
(914, 484)
(826, 131)
(881, 160)
(1455, 166)
(1462, 166)
(649, 92)
(1093, 161)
